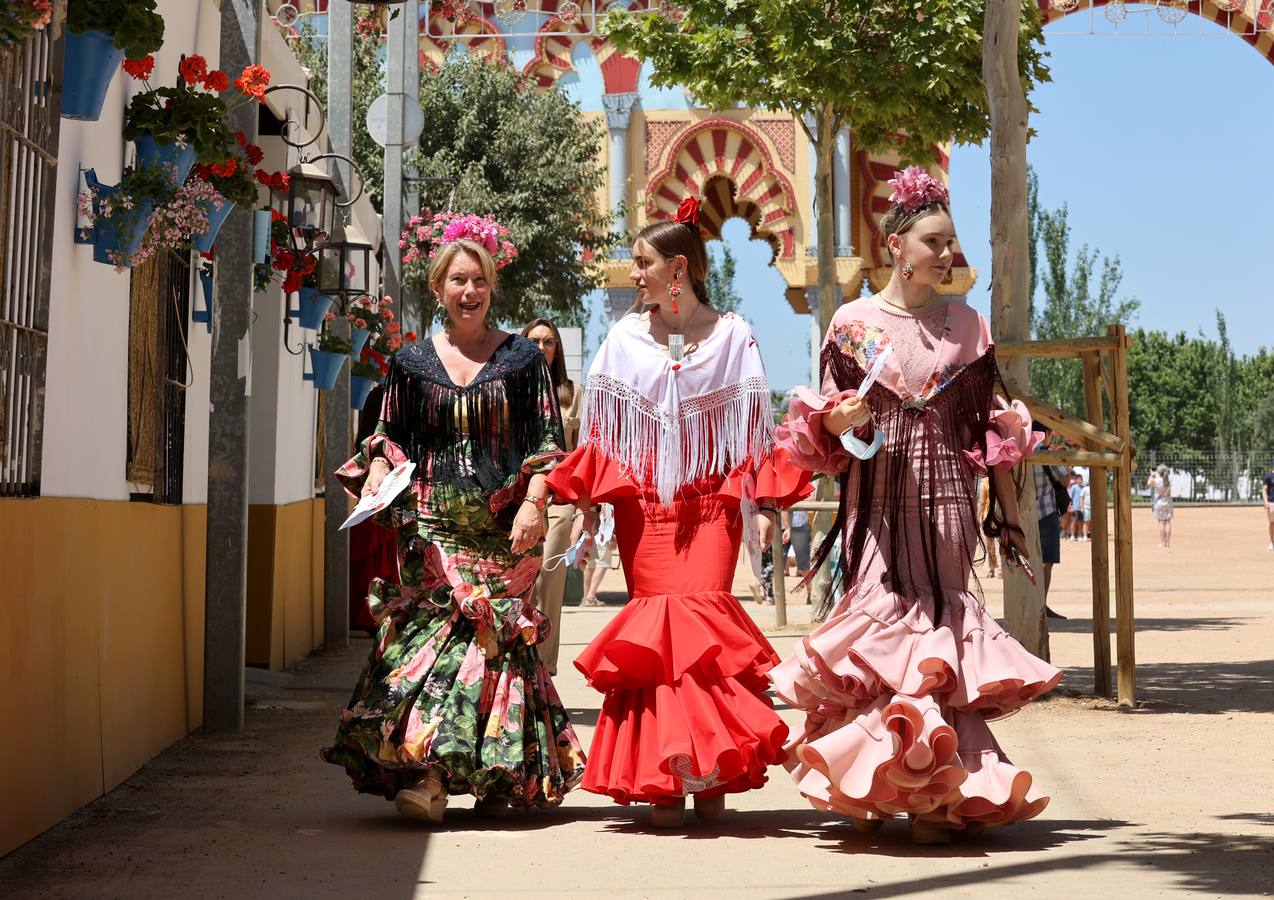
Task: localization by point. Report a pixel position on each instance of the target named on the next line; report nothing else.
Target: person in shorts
(1050, 521)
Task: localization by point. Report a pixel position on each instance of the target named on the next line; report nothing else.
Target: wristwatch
(540, 502)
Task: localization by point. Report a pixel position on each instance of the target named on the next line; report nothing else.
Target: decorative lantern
(345, 262)
(312, 195)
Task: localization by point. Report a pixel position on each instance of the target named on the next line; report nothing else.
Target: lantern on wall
(312, 195)
(345, 262)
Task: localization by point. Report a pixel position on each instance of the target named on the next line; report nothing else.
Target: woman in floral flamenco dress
(454, 698)
(900, 680)
(677, 434)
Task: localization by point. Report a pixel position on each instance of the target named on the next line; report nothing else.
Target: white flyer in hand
(391, 487)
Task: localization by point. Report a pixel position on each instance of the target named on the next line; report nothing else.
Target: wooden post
(1100, 549)
(1125, 638)
(780, 574)
(1010, 281)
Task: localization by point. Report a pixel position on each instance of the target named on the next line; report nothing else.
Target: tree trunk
(1010, 281)
(825, 305)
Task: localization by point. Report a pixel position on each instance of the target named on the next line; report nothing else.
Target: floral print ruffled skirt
(454, 687)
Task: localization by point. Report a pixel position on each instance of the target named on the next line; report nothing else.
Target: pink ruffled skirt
(897, 711)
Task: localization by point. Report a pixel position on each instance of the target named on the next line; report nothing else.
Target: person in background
(1086, 504)
(1267, 497)
(551, 584)
(1048, 490)
(1161, 503)
(1076, 492)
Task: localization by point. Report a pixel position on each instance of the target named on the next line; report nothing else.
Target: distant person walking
(1161, 502)
(1267, 496)
(1076, 492)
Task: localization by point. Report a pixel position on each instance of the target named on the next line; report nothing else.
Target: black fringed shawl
(472, 438)
(959, 411)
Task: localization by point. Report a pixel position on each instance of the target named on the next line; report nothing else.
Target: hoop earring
(907, 271)
(674, 290)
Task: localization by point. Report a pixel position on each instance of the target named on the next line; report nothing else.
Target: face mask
(574, 553)
(859, 448)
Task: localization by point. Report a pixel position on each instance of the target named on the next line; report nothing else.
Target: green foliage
(906, 74)
(720, 283)
(529, 159)
(137, 28)
(368, 84)
(197, 116)
(1077, 301)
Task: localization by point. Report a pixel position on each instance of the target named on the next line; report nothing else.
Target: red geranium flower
(292, 283)
(241, 138)
(217, 81)
(281, 259)
(275, 215)
(411, 337)
(280, 181)
(193, 69)
(254, 153)
(253, 82)
(140, 68)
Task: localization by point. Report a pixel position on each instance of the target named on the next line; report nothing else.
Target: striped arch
(1252, 20)
(874, 173)
(480, 34)
(553, 46)
(731, 168)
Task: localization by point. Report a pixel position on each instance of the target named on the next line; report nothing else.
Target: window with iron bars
(29, 122)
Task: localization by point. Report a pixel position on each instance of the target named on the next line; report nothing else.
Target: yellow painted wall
(285, 582)
(101, 640)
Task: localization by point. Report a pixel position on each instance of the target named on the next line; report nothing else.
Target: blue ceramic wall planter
(91, 61)
(204, 315)
(325, 367)
(359, 388)
(216, 218)
(358, 340)
(117, 237)
(311, 308)
(152, 154)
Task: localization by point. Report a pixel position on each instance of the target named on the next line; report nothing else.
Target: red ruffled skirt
(683, 667)
(897, 711)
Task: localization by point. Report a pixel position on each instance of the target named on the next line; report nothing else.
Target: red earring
(907, 271)
(674, 290)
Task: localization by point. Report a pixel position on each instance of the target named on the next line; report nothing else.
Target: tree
(901, 74)
(721, 292)
(530, 159)
(1075, 304)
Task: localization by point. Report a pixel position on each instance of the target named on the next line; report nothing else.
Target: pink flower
(914, 187)
(473, 667)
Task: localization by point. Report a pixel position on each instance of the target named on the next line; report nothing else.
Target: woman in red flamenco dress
(900, 680)
(677, 434)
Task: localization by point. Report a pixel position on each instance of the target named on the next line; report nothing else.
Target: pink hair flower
(914, 187)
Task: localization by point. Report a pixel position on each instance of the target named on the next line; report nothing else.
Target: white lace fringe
(710, 434)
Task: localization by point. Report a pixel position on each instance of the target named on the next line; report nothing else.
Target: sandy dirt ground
(1175, 798)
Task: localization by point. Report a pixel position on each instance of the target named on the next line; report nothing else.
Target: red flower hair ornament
(688, 214)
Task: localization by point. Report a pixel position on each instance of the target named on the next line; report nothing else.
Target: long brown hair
(675, 239)
(557, 369)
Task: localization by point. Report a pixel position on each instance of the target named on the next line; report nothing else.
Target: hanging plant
(148, 201)
(329, 341)
(193, 108)
(22, 19)
(234, 177)
(136, 27)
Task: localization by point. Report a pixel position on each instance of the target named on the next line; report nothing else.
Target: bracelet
(540, 502)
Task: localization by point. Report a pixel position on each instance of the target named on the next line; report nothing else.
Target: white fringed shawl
(668, 424)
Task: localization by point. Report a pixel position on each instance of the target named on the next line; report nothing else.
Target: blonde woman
(551, 584)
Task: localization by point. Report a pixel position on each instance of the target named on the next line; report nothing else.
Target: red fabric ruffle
(685, 710)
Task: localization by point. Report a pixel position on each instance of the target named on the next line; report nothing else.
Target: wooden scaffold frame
(1105, 362)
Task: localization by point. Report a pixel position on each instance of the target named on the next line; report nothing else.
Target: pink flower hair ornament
(426, 233)
(913, 188)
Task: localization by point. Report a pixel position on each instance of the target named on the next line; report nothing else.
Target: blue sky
(1161, 148)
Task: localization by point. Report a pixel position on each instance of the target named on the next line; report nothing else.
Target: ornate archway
(1251, 20)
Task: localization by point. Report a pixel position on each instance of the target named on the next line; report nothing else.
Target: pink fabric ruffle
(803, 436)
(1009, 440)
(897, 710)
(353, 474)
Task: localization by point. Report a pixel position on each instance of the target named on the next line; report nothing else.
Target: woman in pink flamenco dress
(901, 678)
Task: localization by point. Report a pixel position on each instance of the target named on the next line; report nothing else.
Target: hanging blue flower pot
(152, 154)
(311, 308)
(119, 235)
(204, 315)
(326, 367)
(216, 218)
(358, 340)
(359, 388)
(262, 219)
(91, 61)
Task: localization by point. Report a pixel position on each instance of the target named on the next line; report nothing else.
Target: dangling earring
(674, 290)
(949, 277)
(907, 271)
